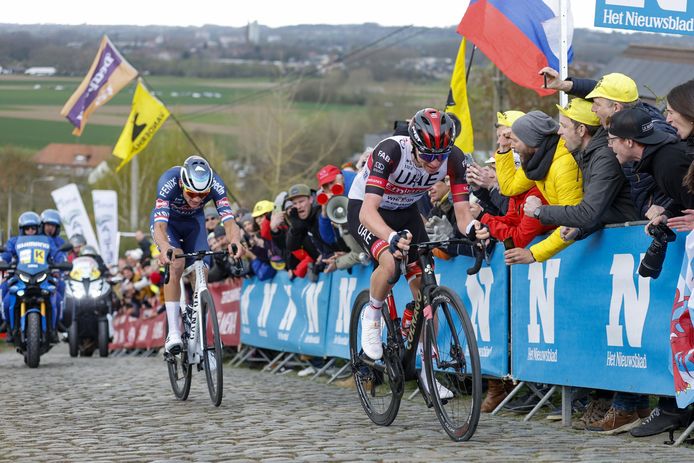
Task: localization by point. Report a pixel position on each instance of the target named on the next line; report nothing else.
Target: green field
(36, 134)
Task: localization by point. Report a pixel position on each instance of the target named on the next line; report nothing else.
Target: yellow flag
(147, 115)
(457, 102)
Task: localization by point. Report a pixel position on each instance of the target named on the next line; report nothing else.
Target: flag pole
(469, 63)
(563, 47)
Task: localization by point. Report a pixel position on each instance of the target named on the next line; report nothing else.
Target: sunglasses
(194, 194)
(210, 219)
(426, 157)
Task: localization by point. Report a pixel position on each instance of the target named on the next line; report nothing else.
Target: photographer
(304, 234)
(633, 137)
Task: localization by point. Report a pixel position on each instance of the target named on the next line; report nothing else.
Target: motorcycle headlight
(40, 278)
(25, 278)
(94, 290)
(77, 291)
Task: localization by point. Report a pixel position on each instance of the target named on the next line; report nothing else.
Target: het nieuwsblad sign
(665, 16)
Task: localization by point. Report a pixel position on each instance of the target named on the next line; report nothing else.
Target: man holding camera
(304, 231)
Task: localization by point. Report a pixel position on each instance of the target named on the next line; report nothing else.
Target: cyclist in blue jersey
(178, 222)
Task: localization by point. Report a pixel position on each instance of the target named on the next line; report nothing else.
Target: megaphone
(336, 209)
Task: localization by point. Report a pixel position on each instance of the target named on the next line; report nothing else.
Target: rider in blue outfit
(178, 222)
(29, 224)
(50, 225)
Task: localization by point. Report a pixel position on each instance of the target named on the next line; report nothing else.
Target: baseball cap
(636, 124)
(615, 87)
(211, 212)
(327, 174)
(219, 231)
(507, 118)
(263, 207)
(579, 110)
(300, 189)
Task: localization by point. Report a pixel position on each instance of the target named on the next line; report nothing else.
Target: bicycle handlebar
(197, 255)
(479, 250)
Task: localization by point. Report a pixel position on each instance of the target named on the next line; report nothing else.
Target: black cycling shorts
(398, 219)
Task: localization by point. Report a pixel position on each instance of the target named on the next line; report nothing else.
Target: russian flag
(520, 37)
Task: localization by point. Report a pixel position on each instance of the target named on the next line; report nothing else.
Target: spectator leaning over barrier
(257, 253)
(606, 193)
(302, 215)
(334, 182)
(680, 114)
(611, 94)
(545, 163)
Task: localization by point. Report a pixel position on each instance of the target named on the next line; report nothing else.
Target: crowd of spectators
(607, 157)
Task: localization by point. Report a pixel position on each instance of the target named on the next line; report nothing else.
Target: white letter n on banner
(635, 305)
(541, 301)
(479, 293)
(268, 294)
(347, 287)
(310, 294)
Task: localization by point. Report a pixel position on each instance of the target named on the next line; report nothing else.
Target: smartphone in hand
(509, 244)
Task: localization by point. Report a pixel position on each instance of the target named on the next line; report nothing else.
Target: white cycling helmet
(196, 175)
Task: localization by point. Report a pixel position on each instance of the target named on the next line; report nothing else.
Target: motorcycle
(88, 304)
(32, 315)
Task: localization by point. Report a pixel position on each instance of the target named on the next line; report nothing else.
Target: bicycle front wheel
(179, 374)
(379, 383)
(212, 349)
(452, 365)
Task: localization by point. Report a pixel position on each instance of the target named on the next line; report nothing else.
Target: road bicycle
(450, 354)
(201, 347)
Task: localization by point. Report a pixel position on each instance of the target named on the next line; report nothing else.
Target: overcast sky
(236, 13)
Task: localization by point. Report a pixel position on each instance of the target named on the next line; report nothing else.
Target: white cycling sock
(373, 313)
(173, 316)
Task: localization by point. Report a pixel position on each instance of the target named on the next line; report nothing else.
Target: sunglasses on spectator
(195, 194)
(431, 157)
(208, 219)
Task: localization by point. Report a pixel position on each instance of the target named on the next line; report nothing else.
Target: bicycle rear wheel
(451, 360)
(179, 374)
(379, 384)
(212, 349)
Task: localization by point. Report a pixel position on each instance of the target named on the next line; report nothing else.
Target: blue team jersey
(11, 248)
(170, 202)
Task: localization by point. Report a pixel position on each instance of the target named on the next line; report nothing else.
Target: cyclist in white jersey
(383, 216)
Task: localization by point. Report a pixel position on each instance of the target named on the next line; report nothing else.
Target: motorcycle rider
(29, 223)
(78, 242)
(50, 226)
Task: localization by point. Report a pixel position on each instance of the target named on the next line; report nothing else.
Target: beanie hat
(534, 127)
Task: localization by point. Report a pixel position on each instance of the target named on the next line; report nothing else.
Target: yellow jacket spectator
(545, 163)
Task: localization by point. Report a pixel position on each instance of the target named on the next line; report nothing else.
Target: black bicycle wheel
(380, 384)
(212, 348)
(452, 363)
(179, 374)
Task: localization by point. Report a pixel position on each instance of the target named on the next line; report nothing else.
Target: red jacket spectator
(515, 224)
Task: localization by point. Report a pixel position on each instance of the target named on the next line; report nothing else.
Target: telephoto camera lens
(652, 262)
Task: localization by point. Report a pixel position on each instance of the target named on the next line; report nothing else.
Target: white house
(40, 71)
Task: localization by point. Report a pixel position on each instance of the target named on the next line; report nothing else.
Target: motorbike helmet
(77, 240)
(89, 251)
(51, 216)
(432, 131)
(196, 175)
(28, 219)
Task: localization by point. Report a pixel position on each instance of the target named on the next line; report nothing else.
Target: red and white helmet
(432, 131)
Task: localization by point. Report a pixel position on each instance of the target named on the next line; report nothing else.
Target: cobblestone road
(122, 409)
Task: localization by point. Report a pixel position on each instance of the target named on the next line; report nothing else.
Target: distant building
(71, 160)
(655, 69)
(253, 35)
(40, 71)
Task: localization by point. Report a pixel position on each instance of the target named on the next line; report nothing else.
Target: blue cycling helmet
(28, 219)
(51, 216)
(196, 175)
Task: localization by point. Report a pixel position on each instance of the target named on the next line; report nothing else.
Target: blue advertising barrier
(586, 318)
(275, 314)
(669, 17)
(285, 315)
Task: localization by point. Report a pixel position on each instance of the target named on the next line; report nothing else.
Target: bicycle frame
(194, 342)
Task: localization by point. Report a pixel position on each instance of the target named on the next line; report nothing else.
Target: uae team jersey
(390, 172)
(170, 202)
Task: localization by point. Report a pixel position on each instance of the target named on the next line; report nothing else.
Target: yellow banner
(457, 102)
(109, 73)
(147, 115)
